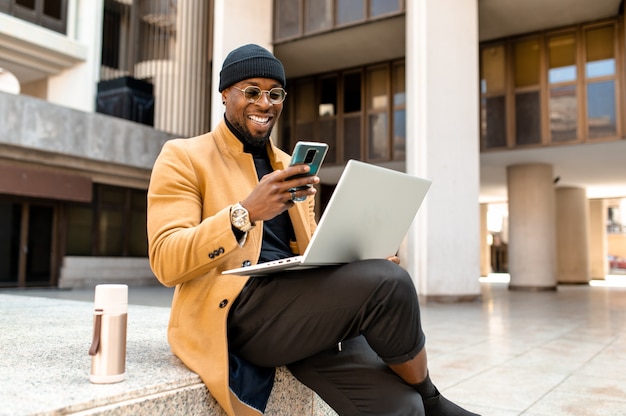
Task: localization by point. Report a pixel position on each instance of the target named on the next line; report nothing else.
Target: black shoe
(440, 406)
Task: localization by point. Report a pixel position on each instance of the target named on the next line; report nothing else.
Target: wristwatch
(240, 218)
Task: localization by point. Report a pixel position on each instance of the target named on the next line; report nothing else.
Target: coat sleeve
(182, 244)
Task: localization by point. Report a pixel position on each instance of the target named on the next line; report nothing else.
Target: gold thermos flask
(108, 347)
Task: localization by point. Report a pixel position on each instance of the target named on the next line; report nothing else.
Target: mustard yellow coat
(194, 183)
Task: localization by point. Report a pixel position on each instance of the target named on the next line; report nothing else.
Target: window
(526, 66)
(114, 224)
(493, 104)
(352, 116)
(551, 88)
(287, 19)
(297, 18)
(562, 77)
(51, 14)
(350, 11)
(382, 7)
(600, 78)
(360, 113)
(319, 15)
(328, 116)
(378, 114)
(399, 112)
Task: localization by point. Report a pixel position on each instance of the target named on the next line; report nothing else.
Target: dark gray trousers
(298, 318)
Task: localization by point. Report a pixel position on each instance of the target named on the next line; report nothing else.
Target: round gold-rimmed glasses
(252, 94)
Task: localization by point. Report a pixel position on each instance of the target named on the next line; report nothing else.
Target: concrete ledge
(44, 345)
(87, 272)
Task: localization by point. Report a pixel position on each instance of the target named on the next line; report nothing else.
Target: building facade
(411, 85)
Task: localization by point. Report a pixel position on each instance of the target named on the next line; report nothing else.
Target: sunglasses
(253, 94)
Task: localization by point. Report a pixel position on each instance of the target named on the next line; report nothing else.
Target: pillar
(532, 227)
(229, 15)
(191, 69)
(485, 249)
(443, 244)
(572, 235)
(598, 239)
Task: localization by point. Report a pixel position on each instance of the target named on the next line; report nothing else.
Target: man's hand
(271, 196)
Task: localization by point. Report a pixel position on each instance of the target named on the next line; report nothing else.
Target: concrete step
(45, 367)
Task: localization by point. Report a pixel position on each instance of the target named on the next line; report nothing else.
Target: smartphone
(308, 153)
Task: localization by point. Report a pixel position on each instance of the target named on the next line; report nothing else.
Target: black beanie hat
(250, 61)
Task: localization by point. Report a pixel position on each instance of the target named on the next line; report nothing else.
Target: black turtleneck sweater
(277, 232)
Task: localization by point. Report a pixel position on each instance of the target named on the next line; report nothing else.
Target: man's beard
(256, 141)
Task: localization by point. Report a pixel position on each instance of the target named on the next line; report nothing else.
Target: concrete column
(598, 239)
(443, 245)
(236, 23)
(572, 235)
(532, 227)
(191, 63)
(485, 249)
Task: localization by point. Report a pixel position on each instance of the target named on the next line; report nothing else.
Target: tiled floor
(559, 353)
(534, 354)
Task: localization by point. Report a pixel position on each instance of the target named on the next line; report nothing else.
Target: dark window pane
(379, 7)
(378, 141)
(563, 114)
(399, 135)
(527, 118)
(39, 243)
(29, 4)
(79, 231)
(328, 99)
(52, 8)
(328, 134)
(111, 36)
(319, 15)
(288, 18)
(138, 200)
(138, 239)
(350, 11)
(304, 131)
(352, 93)
(111, 233)
(352, 138)
(493, 122)
(113, 196)
(10, 226)
(601, 109)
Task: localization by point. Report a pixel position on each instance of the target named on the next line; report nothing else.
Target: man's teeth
(259, 119)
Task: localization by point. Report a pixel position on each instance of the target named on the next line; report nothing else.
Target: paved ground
(559, 353)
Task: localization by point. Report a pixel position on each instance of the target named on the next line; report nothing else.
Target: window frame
(581, 83)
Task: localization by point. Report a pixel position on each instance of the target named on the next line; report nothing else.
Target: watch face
(239, 217)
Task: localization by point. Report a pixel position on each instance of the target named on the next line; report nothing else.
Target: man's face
(253, 120)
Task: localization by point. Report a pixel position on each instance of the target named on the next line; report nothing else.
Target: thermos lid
(111, 298)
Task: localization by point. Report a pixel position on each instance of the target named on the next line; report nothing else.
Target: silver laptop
(367, 217)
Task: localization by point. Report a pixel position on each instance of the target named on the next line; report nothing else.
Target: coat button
(216, 253)
(211, 255)
(246, 263)
(223, 303)
(221, 250)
